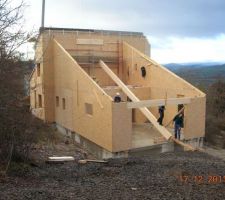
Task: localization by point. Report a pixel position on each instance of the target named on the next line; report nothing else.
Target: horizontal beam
(159, 102)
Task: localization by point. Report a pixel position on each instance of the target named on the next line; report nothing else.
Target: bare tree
(11, 28)
(16, 122)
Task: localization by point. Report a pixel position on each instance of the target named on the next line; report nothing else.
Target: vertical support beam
(120, 64)
(77, 93)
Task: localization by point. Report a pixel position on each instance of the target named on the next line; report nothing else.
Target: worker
(161, 114)
(178, 124)
(117, 98)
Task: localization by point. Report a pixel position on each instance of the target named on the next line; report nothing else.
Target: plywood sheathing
(163, 83)
(48, 80)
(195, 118)
(162, 130)
(97, 128)
(109, 49)
(143, 93)
(121, 127)
(36, 84)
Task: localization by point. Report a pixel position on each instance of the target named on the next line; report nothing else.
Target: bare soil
(179, 175)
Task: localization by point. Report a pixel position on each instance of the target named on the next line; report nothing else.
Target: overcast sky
(178, 30)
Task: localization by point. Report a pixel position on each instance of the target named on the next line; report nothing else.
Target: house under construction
(77, 75)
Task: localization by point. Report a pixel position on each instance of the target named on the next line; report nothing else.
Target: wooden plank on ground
(61, 158)
(89, 160)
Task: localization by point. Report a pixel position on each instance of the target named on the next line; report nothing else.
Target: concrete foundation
(102, 153)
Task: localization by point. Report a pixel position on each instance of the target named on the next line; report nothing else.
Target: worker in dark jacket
(178, 124)
(161, 114)
(117, 98)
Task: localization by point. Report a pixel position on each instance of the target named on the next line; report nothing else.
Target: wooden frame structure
(164, 132)
(79, 73)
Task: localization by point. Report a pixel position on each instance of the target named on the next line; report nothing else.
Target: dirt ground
(180, 175)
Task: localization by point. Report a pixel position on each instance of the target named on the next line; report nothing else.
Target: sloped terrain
(180, 175)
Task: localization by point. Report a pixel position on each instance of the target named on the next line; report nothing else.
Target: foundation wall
(101, 153)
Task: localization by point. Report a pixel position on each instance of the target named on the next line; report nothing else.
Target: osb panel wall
(99, 75)
(68, 39)
(110, 48)
(48, 80)
(143, 93)
(36, 86)
(78, 88)
(195, 118)
(157, 77)
(164, 84)
(39, 112)
(121, 127)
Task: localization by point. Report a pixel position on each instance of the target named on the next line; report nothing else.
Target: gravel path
(182, 175)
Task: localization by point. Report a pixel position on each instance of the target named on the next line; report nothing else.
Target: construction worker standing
(117, 98)
(161, 114)
(178, 124)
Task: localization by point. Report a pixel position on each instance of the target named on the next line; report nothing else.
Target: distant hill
(177, 66)
(199, 73)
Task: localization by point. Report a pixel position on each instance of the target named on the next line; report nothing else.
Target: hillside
(199, 74)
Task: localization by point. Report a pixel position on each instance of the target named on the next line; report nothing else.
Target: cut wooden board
(89, 160)
(162, 130)
(159, 102)
(61, 158)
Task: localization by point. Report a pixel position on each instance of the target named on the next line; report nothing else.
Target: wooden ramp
(162, 130)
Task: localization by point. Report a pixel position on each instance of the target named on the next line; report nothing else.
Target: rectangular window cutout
(88, 108)
(39, 101)
(35, 99)
(38, 69)
(64, 103)
(57, 101)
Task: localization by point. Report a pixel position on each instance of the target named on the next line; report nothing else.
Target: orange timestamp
(211, 179)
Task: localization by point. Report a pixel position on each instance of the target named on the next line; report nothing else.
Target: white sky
(178, 32)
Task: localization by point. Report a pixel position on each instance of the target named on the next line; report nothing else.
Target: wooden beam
(89, 160)
(186, 146)
(158, 102)
(164, 132)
